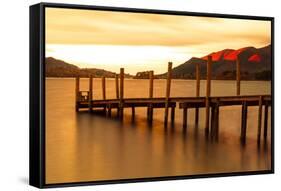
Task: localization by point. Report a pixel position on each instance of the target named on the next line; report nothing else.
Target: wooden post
(208, 93)
(151, 78)
(121, 111)
(77, 89)
(209, 76)
(215, 121)
(150, 108)
(244, 122)
(133, 113)
(259, 118)
(207, 102)
(212, 122)
(168, 89)
(90, 93)
(173, 115)
(265, 121)
(103, 92)
(197, 93)
(109, 110)
(217, 124)
(103, 88)
(117, 90)
(117, 86)
(150, 113)
(237, 76)
(184, 117)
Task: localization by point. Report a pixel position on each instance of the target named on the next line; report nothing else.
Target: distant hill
(59, 68)
(255, 65)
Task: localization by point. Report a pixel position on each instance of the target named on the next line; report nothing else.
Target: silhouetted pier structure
(212, 104)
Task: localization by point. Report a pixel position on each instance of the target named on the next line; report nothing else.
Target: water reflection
(110, 149)
(86, 147)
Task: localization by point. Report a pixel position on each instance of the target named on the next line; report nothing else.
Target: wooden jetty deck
(212, 104)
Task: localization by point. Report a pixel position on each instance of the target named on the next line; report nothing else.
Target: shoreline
(177, 79)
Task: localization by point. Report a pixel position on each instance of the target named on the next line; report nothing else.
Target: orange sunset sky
(140, 42)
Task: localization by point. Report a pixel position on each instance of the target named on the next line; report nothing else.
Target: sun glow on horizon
(113, 57)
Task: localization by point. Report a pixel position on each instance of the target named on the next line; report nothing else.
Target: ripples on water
(86, 147)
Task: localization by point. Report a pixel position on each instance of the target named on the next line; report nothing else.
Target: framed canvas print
(125, 95)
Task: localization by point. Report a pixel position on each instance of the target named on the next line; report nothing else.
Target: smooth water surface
(86, 147)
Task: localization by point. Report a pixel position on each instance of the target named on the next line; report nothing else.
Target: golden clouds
(72, 26)
(140, 42)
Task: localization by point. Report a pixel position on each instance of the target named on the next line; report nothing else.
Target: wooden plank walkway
(84, 100)
(190, 102)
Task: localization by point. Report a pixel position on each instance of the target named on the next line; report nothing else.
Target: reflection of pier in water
(84, 100)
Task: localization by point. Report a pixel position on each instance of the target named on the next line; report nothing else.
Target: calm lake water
(86, 147)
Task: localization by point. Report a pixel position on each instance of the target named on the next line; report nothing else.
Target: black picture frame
(37, 94)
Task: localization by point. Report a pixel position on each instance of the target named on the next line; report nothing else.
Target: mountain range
(255, 64)
(59, 68)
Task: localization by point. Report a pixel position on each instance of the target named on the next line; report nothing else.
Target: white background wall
(14, 51)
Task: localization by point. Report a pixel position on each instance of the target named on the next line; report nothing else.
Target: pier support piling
(133, 113)
(184, 118)
(208, 93)
(121, 109)
(150, 107)
(197, 93)
(103, 91)
(238, 76)
(109, 110)
(103, 88)
(150, 113)
(265, 121)
(217, 124)
(172, 115)
(168, 89)
(117, 90)
(259, 118)
(244, 122)
(77, 89)
(90, 93)
(215, 121)
(117, 86)
(212, 122)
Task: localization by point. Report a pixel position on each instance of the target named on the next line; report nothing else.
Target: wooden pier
(212, 104)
